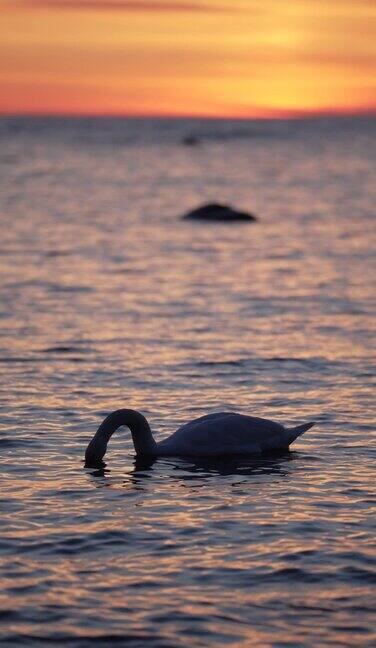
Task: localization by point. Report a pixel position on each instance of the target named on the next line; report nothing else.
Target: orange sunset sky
(240, 58)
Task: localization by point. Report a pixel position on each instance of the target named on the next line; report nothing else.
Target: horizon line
(277, 116)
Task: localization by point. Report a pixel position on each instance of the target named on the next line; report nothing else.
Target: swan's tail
(294, 432)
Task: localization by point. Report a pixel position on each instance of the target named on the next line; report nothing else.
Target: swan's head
(95, 452)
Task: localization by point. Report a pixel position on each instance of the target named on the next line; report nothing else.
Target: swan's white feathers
(224, 433)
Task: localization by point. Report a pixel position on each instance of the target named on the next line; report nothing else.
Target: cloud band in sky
(155, 6)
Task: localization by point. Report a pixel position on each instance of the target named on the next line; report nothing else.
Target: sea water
(110, 299)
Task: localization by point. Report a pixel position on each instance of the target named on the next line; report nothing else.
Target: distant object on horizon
(218, 212)
(213, 435)
(190, 140)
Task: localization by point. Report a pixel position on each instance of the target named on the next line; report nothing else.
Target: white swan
(224, 433)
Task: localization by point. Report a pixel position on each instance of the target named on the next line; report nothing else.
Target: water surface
(110, 300)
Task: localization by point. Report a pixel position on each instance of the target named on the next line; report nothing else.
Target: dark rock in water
(190, 140)
(217, 212)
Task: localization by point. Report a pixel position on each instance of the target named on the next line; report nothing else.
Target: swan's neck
(143, 441)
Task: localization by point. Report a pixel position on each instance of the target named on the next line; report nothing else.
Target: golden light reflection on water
(110, 299)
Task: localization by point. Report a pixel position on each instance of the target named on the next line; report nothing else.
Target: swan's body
(213, 435)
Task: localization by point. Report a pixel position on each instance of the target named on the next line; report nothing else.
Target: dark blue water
(110, 300)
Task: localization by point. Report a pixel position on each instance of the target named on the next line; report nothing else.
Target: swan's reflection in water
(202, 468)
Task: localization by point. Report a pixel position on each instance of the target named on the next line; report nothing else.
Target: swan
(213, 435)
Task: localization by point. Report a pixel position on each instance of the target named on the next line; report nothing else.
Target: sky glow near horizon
(244, 58)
